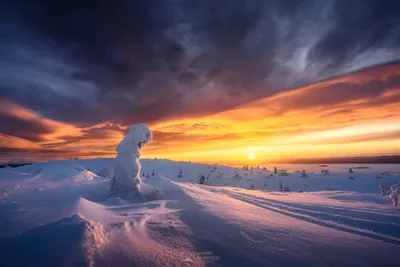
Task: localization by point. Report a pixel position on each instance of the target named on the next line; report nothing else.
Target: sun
(252, 156)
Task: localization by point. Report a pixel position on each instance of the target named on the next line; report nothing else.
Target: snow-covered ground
(59, 214)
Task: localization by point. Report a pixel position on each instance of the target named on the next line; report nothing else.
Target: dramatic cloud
(79, 66)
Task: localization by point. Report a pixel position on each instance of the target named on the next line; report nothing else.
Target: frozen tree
(286, 188)
(39, 170)
(237, 176)
(264, 168)
(324, 172)
(201, 179)
(394, 194)
(283, 173)
(126, 180)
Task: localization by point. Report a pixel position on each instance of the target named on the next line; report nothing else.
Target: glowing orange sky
(330, 118)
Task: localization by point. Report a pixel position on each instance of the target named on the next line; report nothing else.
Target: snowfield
(60, 213)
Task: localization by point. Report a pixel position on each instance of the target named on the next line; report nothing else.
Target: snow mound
(84, 176)
(93, 210)
(71, 241)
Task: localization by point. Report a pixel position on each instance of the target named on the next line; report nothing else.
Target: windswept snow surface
(58, 214)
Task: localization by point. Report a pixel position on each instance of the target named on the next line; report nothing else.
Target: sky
(228, 81)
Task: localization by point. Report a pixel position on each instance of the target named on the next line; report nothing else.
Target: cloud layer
(82, 71)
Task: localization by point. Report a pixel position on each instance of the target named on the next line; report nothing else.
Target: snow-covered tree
(324, 172)
(126, 179)
(394, 194)
(201, 178)
(286, 188)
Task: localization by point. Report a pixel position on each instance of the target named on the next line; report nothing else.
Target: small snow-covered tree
(39, 170)
(394, 194)
(286, 188)
(201, 178)
(237, 176)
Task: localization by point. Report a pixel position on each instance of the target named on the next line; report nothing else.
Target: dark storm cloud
(146, 60)
(30, 130)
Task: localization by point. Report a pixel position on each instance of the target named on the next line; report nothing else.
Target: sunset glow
(229, 83)
(276, 127)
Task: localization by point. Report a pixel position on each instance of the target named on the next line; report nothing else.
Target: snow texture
(62, 216)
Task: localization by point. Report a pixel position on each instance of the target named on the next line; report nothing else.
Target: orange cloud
(357, 114)
(314, 121)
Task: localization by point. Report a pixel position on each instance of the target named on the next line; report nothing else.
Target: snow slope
(58, 214)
